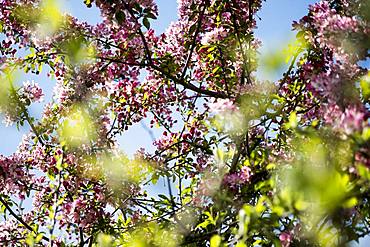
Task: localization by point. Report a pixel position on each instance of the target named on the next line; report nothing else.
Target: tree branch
(19, 219)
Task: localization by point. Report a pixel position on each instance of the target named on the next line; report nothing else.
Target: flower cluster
(15, 176)
(285, 239)
(32, 91)
(237, 179)
(223, 105)
(214, 35)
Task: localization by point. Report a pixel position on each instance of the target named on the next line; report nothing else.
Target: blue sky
(273, 30)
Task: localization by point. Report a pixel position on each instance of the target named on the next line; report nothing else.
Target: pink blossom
(213, 36)
(236, 179)
(352, 120)
(222, 105)
(33, 91)
(285, 239)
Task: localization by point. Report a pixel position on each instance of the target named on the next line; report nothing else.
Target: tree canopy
(245, 162)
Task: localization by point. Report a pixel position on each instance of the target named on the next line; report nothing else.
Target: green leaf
(146, 23)
(215, 70)
(293, 121)
(215, 241)
(240, 244)
(364, 172)
(192, 28)
(366, 134)
(350, 203)
(151, 16)
(120, 17)
(137, 8)
(155, 178)
(39, 237)
(104, 240)
(257, 242)
(365, 87)
(30, 240)
(88, 3)
(163, 197)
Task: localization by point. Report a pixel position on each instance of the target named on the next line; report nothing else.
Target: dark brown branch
(223, 69)
(237, 35)
(82, 242)
(19, 219)
(190, 86)
(173, 78)
(140, 32)
(193, 44)
(183, 83)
